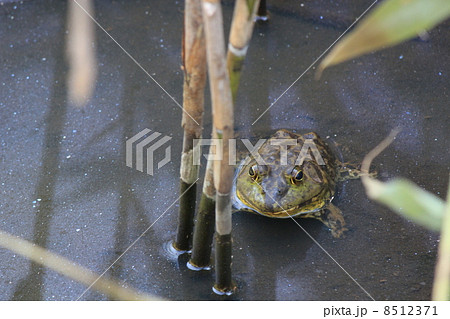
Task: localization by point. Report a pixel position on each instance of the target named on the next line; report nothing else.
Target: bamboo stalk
(240, 34)
(194, 64)
(223, 130)
(441, 285)
(69, 269)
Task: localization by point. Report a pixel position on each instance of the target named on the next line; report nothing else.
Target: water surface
(64, 183)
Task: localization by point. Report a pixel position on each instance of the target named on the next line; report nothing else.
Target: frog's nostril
(281, 191)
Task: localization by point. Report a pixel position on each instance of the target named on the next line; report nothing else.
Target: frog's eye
(296, 175)
(253, 173)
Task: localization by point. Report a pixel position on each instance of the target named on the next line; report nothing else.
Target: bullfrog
(292, 175)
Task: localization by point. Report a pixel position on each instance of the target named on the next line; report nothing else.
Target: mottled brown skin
(275, 190)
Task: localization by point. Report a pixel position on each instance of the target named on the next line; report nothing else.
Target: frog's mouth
(316, 203)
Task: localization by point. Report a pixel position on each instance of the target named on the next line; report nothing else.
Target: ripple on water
(171, 252)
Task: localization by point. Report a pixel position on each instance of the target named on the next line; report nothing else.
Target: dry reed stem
(223, 130)
(240, 34)
(69, 269)
(81, 52)
(194, 66)
(204, 227)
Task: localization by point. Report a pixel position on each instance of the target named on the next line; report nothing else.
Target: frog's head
(280, 189)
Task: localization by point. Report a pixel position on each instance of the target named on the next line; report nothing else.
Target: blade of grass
(401, 195)
(391, 22)
(67, 268)
(408, 200)
(441, 285)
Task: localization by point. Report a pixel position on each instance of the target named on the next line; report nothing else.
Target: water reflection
(31, 287)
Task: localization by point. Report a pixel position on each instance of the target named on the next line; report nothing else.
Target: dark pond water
(64, 183)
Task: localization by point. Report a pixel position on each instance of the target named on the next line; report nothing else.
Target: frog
(292, 175)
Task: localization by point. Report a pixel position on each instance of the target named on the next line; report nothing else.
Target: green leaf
(441, 285)
(390, 23)
(409, 200)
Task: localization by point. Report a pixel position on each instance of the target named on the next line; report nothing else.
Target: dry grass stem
(69, 269)
(81, 52)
